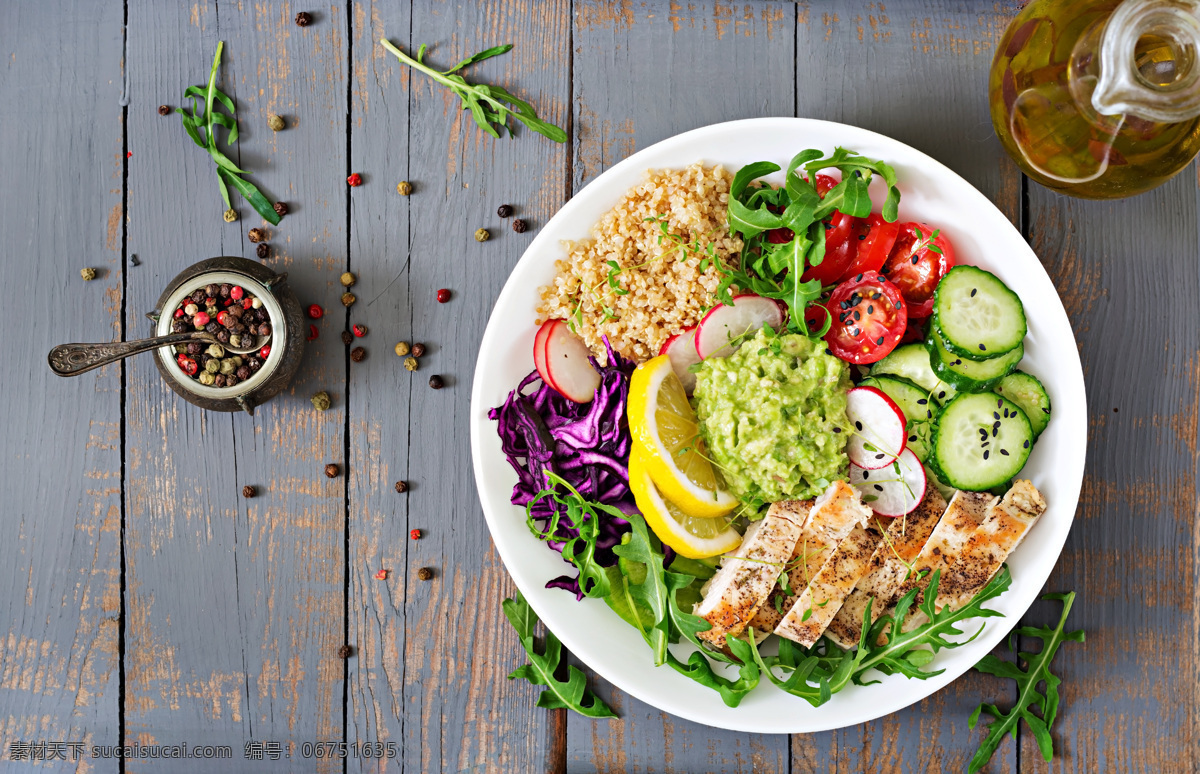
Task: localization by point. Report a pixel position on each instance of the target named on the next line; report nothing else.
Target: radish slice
(877, 437)
(567, 364)
(725, 323)
(680, 349)
(894, 490)
(539, 351)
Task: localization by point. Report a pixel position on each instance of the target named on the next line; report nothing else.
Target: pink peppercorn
(415, 534)
(381, 575)
(443, 296)
(236, 292)
(201, 319)
(264, 352)
(354, 180)
(179, 312)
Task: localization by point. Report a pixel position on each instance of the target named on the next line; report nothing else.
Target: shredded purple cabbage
(587, 444)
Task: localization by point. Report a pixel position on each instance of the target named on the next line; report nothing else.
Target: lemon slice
(662, 421)
(695, 538)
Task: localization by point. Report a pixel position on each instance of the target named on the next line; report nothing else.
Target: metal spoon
(75, 359)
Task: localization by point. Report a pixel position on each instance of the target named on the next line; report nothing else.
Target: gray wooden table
(144, 601)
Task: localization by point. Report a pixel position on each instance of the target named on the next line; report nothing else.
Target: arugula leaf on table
(492, 107)
(572, 694)
(1037, 670)
(204, 119)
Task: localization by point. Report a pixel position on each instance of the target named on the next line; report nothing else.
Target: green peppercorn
(482, 235)
(88, 274)
(207, 378)
(348, 279)
(348, 299)
(320, 401)
(215, 350)
(425, 574)
(410, 363)
(230, 215)
(402, 349)
(275, 122)
(227, 366)
(404, 188)
(212, 366)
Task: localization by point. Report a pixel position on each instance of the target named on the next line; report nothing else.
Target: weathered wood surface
(131, 562)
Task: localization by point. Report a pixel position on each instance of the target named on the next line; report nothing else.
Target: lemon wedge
(695, 538)
(663, 422)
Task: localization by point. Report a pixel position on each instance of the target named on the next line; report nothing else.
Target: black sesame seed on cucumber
(981, 440)
(976, 316)
(1027, 392)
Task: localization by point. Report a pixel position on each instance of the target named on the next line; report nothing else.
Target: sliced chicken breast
(837, 511)
(817, 605)
(746, 578)
(903, 539)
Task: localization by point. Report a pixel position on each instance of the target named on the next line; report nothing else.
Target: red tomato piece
(869, 317)
(839, 249)
(916, 268)
(914, 332)
(875, 237)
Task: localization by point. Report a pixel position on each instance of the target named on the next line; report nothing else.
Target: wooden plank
(236, 606)
(845, 53)
(62, 178)
(1124, 269)
(430, 675)
(644, 72)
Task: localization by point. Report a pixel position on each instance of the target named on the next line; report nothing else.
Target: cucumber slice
(1028, 393)
(970, 375)
(911, 361)
(977, 315)
(981, 441)
(920, 434)
(916, 403)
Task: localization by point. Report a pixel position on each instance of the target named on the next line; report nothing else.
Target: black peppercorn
(418, 350)
(346, 651)
(332, 470)
(504, 210)
(436, 382)
(223, 291)
(281, 209)
(264, 329)
(211, 291)
(347, 338)
(256, 235)
(263, 250)
(179, 326)
(248, 491)
(243, 373)
(401, 487)
(231, 380)
(357, 354)
(236, 310)
(219, 380)
(212, 327)
(164, 110)
(519, 226)
(198, 296)
(425, 574)
(303, 19)
(254, 364)
(223, 337)
(194, 347)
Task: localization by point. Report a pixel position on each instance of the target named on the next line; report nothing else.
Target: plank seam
(346, 360)
(403, 662)
(124, 379)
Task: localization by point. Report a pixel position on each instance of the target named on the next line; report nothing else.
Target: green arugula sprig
(492, 107)
(584, 515)
(201, 126)
(572, 694)
(1037, 671)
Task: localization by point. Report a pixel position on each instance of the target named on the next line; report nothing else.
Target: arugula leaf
(1037, 670)
(582, 514)
(732, 691)
(748, 222)
(571, 694)
(492, 107)
(851, 162)
(652, 590)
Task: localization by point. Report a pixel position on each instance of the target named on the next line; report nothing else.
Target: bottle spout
(1150, 61)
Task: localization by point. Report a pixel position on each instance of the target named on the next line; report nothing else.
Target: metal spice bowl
(287, 333)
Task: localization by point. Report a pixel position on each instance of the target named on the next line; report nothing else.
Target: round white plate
(930, 192)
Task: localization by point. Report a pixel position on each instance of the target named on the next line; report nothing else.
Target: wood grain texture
(644, 72)
(60, 592)
(236, 606)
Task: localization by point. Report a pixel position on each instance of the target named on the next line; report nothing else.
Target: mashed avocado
(773, 415)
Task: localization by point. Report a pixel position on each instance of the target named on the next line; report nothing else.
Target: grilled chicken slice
(819, 603)
(1006, 523)
(835, 513)
(746, 578)
(901, 544)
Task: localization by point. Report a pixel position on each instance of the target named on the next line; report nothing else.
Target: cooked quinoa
(667, 292)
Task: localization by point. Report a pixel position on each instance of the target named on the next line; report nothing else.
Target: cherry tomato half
(917, 269)
(869, 317)
(840, 244)
(875, 237)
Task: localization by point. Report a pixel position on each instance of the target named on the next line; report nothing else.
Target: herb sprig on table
(492, 107)
(201, 124)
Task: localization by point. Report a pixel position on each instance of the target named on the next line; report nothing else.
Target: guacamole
(773, 415)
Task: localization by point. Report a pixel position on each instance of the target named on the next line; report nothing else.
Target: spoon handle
(75, 359)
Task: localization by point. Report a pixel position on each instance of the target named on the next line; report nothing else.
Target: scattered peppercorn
(88, 274)
(248, 491)
(230, 215)
(443, 296)
(418, 350)
(263, 250)
(410, 363)
(347, 338)
(401, 487)
(275, 122)
(414, 534)
(354, 180)
(348, 299)
(381, 575)
(280, 208)
(346, 651)
(256, 235)
(436, 382)
(404, 188)
(348, 279)
(163, 110)
(313, 332)
(425, 574)
(359, 330)
(315, 311)
(357, 354)
(332, 470)
(519, 226)
(321, 401)
(482, 235)
(402, 349)
(504, 210)
(303, 19)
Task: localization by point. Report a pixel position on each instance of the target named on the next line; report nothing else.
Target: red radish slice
(894, 490)
(680, 349)
(567, 364)
(877, 434)
(726, 322)
(539, 351)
